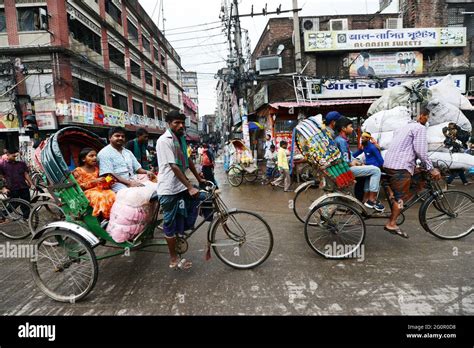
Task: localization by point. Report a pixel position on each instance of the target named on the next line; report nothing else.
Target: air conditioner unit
(268, 65)
(471, 84)
(338, 24)
(394, 23)
(310, 24)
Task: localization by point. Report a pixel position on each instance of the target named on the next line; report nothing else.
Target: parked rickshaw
(66, 268)
(242, 166)
(335, 226)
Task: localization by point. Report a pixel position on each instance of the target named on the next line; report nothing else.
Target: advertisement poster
(412, 38)
(8, 122)
(245, 131)
(46, 120)
(385, 64)
(82, 111)
(113, 117)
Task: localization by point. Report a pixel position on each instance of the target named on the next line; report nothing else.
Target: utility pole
(296, 29)
(238, 38)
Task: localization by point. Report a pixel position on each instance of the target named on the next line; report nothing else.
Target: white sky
(207, 60)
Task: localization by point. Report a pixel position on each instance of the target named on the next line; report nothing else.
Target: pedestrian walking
(271, 157)
(207, 164)
(283, 167)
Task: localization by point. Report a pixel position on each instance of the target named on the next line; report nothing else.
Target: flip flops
(396, 231)
(182, 264)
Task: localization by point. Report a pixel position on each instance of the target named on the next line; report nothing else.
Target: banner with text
(316, 41)
(371, 88)
(383, 64)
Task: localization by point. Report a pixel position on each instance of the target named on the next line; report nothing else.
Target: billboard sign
(370, 88)
(350, 40)
(385, 64)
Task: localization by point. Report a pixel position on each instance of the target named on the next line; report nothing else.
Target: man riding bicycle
(409, 144)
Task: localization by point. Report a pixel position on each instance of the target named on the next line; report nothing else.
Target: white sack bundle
(387, 120)
(447, 91)
(441, 112)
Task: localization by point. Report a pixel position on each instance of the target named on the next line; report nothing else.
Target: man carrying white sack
(409, 144)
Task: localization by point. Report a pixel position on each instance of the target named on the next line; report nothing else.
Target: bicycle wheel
(251, 177)
(235, 176)
(44, 213)
(65, 267)
(334, 230)
(15, 212)
(275, 173)
(449, 216)
(303, 200)
(242, 239)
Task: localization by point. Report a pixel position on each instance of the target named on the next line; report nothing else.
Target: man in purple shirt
(16, 175)
(409, 144)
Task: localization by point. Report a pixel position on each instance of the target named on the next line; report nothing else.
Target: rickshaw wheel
(251, 177)
(235, 176)
(65, 266)
(334, 230)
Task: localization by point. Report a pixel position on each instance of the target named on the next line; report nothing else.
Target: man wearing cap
(330, 123)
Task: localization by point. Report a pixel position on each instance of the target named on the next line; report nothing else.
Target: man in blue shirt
(372, 153)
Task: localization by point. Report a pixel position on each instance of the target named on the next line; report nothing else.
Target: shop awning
(255, 126)
(326, 102)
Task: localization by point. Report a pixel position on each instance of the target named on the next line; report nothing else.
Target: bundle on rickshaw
(320, 150)
(240, 154)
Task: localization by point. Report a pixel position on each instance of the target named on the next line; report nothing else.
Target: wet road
(419, 276)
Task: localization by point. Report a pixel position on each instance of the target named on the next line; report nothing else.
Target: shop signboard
(260, 97)
(46, 120)
(8, 121)
(113, 117)
(385, 64)
(82, 111)
(371, 88)
(351, 40)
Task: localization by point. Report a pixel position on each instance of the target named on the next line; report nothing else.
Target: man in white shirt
(178, 197)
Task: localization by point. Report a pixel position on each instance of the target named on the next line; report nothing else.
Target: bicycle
(14, 214)
(338, 219)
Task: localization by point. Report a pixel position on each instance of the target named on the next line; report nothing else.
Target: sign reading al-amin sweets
(384, 38)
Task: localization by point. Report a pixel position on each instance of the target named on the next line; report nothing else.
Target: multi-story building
(190, 86)
(209, 131)
(190, 110)
(349, 60)
(95, 63)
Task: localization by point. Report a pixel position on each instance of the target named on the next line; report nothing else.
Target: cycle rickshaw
(66, 268)
(242, 165)
(335, 227)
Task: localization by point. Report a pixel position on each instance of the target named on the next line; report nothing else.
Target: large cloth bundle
(131, 212)
(314, 143)
(447, 92)
(441, 112)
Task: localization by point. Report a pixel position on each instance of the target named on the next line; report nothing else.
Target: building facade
(348, 61)
(190, 110)
(190, 86)
(94, 63)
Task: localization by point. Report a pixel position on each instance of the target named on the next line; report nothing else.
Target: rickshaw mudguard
(304, 185)
(71, 227)
(342, 197)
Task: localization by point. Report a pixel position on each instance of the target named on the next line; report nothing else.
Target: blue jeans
(372, 184)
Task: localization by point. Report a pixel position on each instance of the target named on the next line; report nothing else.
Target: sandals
(182, 264)
(396, 231)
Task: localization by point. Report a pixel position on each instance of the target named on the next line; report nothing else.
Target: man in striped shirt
(409, 144)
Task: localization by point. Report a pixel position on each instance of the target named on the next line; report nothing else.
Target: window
(116, 56)
(32, 18)
(146, 44)
(150, 111)
(158, 83)
(84, 35)
(148, 78)
(88, 91)
(285, 126)
(119, 102)
(165, 89)
(3, 23)
(135, 69)
(156, 53)
(163, 60)
(113, 11)
(137, 108)
(159, 115)
(132, 31)
(455, 16)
